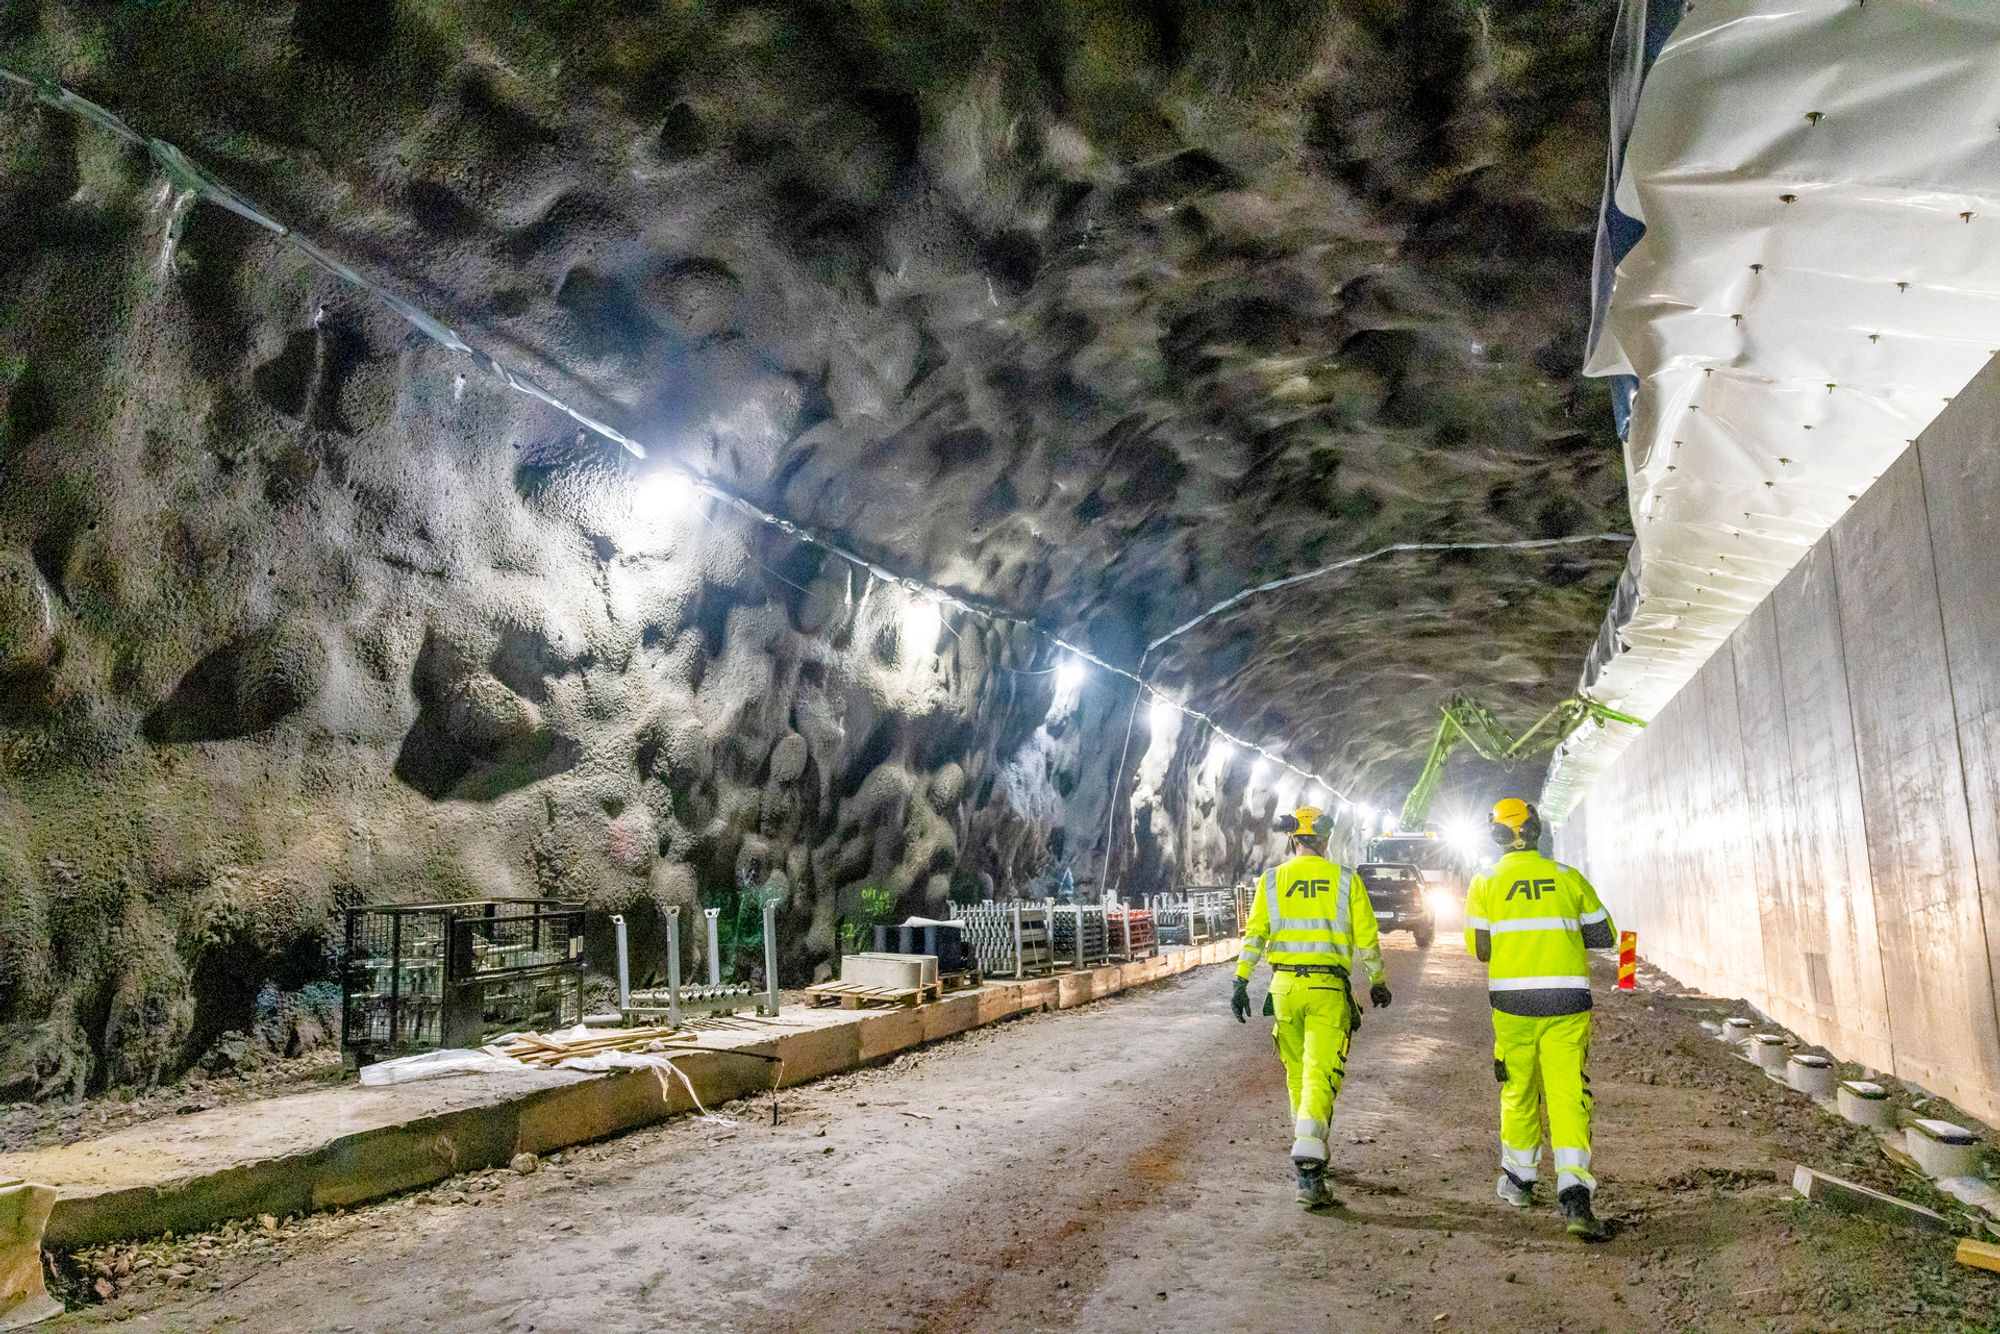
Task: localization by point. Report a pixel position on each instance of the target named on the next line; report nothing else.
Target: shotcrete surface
(1121, 1166)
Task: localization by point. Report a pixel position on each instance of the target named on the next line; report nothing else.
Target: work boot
(1313, 1193)
(1515, 1191)
(1577, 1216)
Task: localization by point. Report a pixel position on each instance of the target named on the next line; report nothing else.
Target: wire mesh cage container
(418, 976)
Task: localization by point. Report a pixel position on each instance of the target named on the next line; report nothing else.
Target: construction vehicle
(1403, 897)
(1446, 862)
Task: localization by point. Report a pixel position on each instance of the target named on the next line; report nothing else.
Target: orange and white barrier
(1628, 960)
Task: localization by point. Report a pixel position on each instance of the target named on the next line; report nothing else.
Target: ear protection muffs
(1507, 838)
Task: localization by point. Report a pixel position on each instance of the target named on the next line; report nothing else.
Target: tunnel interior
(1087, 321)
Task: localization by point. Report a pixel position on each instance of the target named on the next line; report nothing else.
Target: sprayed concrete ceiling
(1097, 312)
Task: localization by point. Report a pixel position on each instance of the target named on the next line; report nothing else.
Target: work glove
(1239, 1000)
(1378, 995)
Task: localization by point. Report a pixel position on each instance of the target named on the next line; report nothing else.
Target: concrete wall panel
(1790, 916)
(1813, 823)
(1961, 473)
(1829, 834)
(1912, 783)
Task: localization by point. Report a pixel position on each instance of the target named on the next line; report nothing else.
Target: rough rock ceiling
(1100, 312)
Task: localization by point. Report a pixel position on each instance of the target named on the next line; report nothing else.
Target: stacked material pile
(991, 928)
(548, 1050)
(1132, 932)
(1066, 921)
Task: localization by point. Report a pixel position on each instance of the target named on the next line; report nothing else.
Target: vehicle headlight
(1441, 902)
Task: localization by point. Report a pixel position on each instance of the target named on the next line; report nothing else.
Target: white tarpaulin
(1819, 182)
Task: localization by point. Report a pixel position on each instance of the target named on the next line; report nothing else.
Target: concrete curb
(134, 1183)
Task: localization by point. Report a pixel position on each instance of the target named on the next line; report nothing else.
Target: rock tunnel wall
(1814, 822)
(293, 616)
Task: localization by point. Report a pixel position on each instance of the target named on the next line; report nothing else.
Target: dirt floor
(1121, 1166)
(37, 1125)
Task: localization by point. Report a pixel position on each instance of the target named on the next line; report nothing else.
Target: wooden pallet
(854, 996)
(959, 981)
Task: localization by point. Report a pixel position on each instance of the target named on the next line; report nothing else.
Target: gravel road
(1121, 1166)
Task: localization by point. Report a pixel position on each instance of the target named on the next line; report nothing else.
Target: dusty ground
(1121, 1167)
(37, 1125)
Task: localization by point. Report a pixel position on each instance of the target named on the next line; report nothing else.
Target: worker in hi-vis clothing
(1312, 920)
(1529, 920)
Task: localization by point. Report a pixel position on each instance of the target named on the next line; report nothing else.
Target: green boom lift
(1471, 723)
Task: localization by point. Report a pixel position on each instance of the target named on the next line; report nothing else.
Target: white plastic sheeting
(1820, 272)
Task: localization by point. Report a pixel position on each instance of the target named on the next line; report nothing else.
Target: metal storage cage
(418, 976)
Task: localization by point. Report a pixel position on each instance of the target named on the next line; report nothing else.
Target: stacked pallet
(856, 995)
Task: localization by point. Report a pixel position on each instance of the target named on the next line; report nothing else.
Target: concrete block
(1736, 1031)
(1770, 1050)
(894, 971)
(1941, 1148)
(1852, 1198)
(1811, 1075)
(1866, 1104)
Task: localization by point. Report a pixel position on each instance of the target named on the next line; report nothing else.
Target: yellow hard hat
(1307, 818)
(1510, 817)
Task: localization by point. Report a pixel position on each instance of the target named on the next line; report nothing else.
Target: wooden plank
(1978, 1254)
(1850, 1197)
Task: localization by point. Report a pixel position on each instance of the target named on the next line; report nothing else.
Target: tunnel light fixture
(1261, 771)
(664, 495)
(1070, 676)
(921, 622)
(1160, 714)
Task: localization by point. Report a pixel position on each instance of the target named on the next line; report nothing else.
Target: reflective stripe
(1536, 924)
(1478, 924)
(1312, 947)
(1600, 915)
(1309, 1150)
(1580, 982)
(1300, 924)
(1525, 1164)
(1573, 1158)
(1307, 1128)
(1249, 954)
(1271, 896)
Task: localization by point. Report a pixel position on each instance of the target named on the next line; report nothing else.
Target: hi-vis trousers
(1537, 1059)
(1312, 1029)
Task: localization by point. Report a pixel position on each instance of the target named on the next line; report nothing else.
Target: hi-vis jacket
(1311, 912)
(1531, 919)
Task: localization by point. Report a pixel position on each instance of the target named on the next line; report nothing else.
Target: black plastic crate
(418, 976)
(945, 941)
